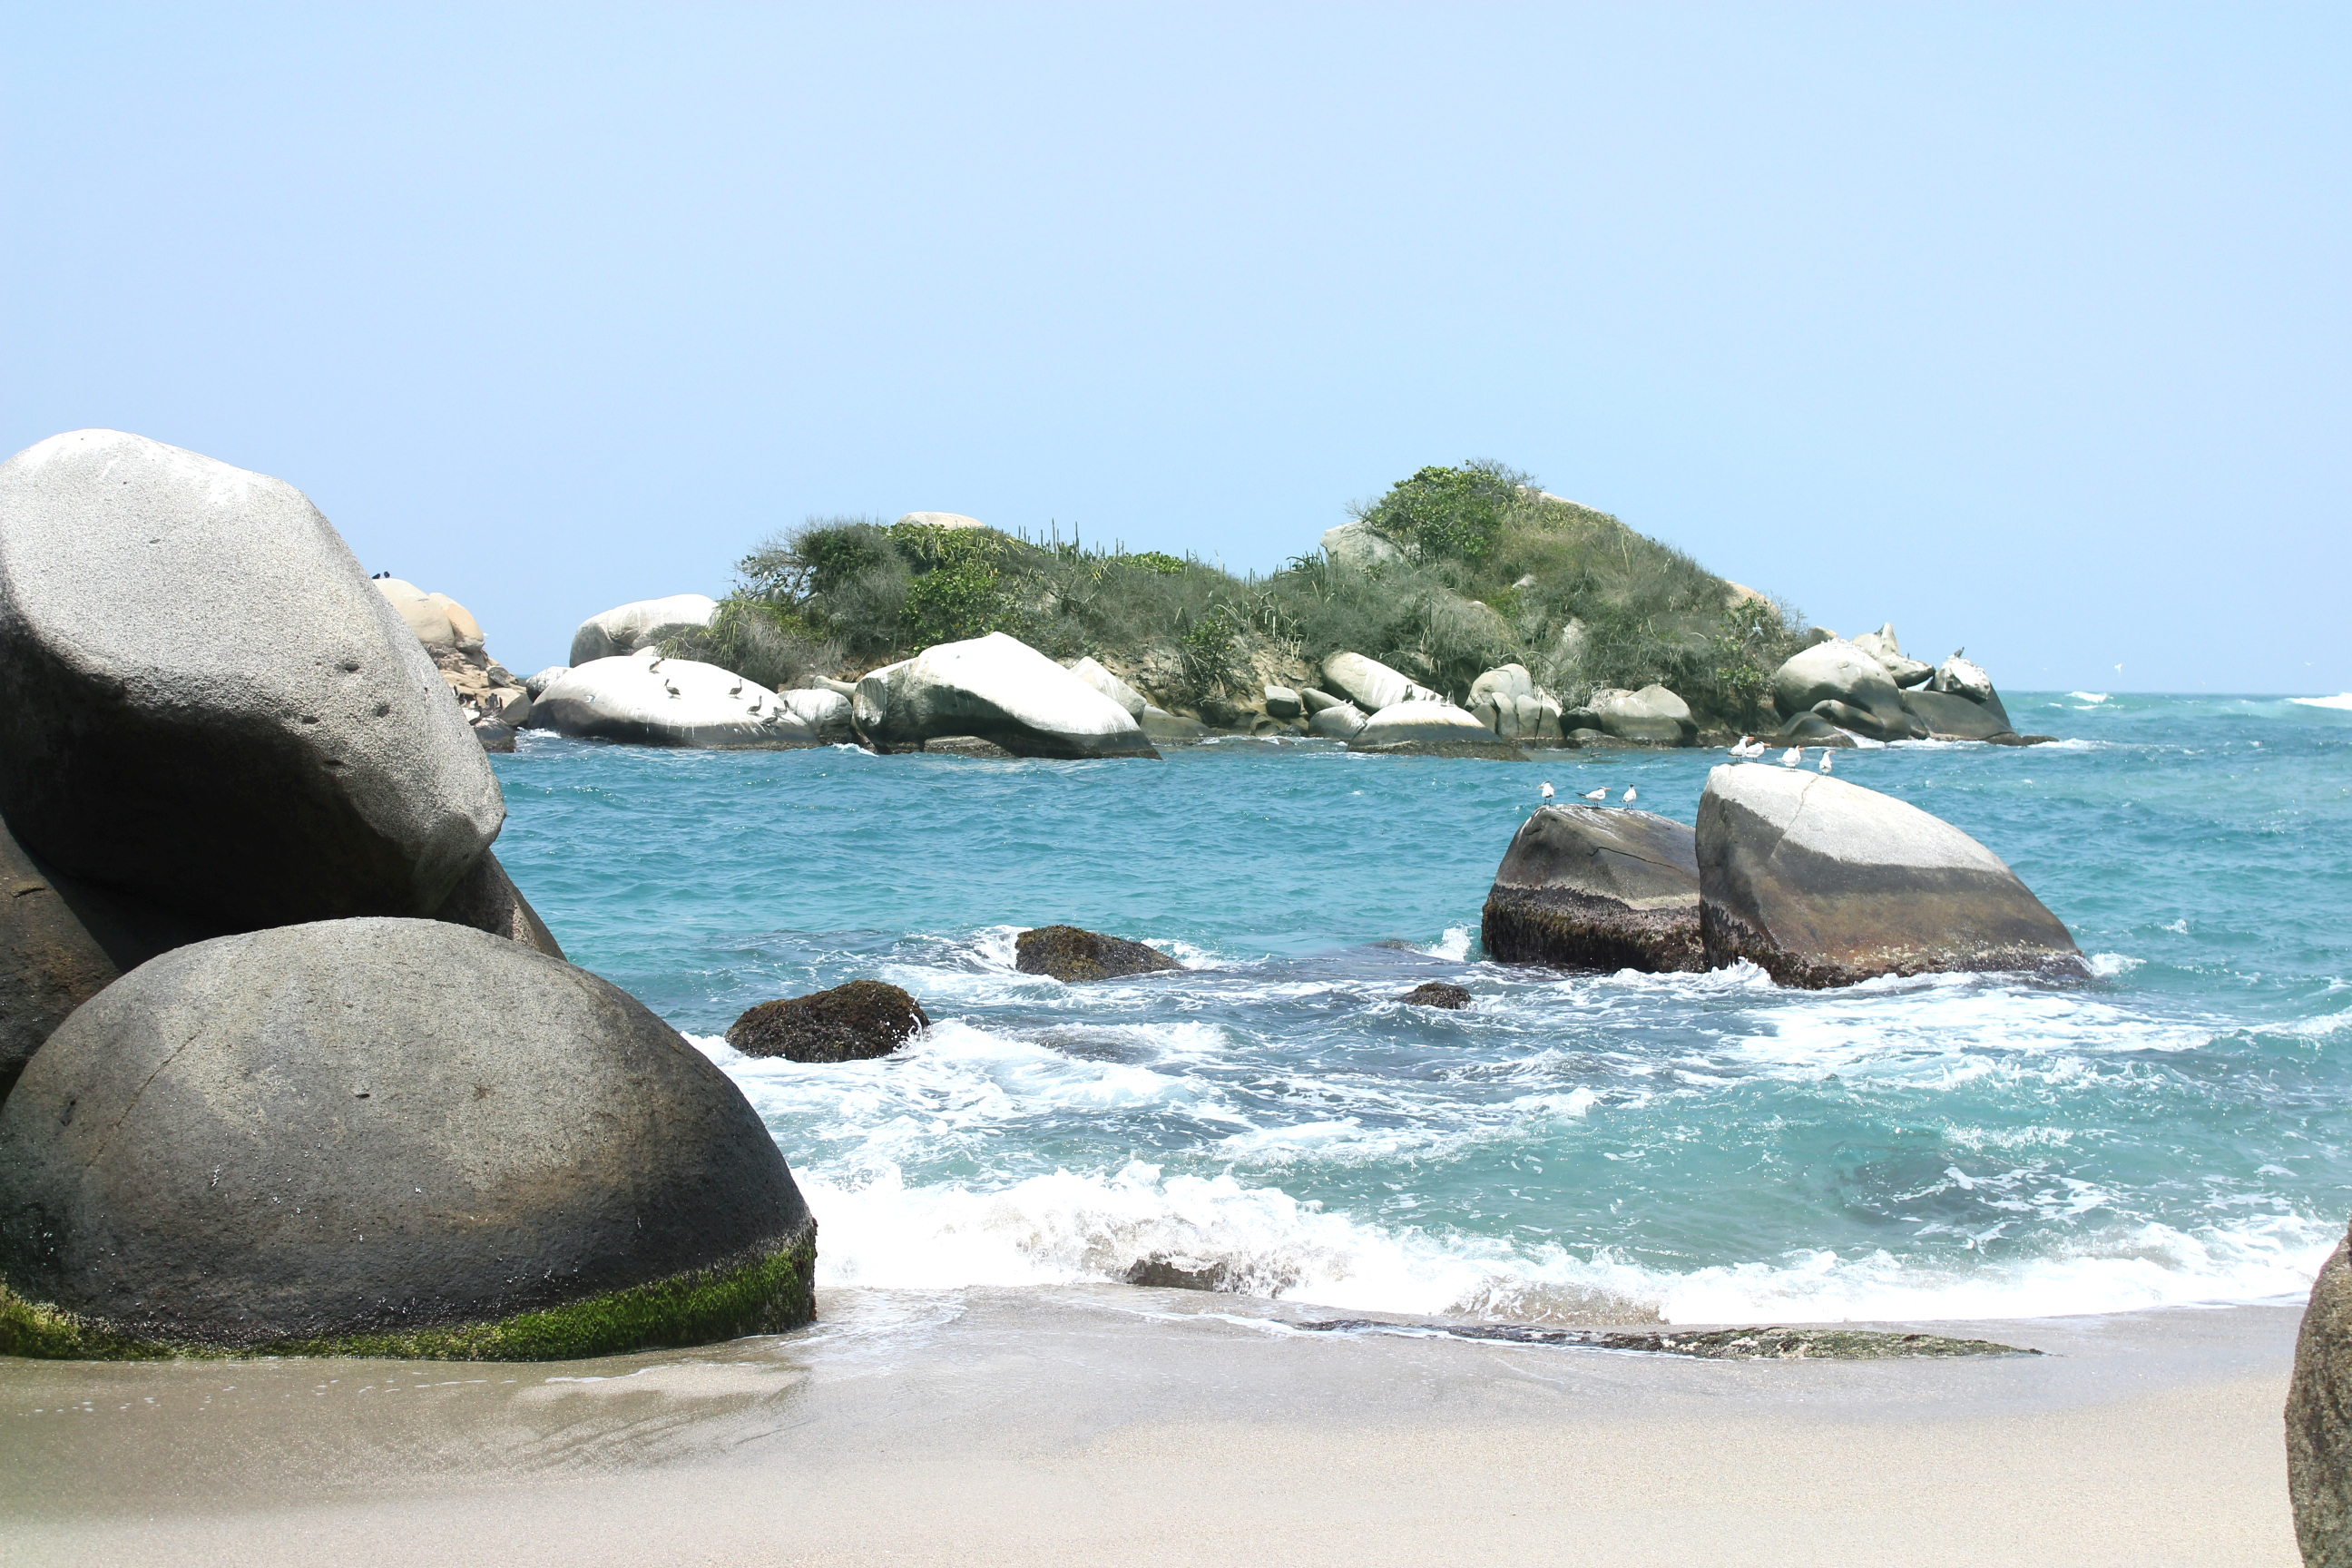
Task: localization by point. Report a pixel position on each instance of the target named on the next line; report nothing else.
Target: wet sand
(1114, 1425)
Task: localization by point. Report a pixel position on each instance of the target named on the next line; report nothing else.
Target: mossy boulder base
(166, 616)
(1821, 883)
(1070, 954)
(1585, 886)
(863, 1019)
(307, 1140)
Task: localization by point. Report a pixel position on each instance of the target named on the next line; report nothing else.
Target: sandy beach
(1114, 1425)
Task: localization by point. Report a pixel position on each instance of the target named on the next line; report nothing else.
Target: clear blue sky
(2026, 328)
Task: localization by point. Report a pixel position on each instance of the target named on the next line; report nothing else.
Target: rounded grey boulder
(1821, 883)
(321, 769)
(1838, 671)
(2319, 1419)
(306, 1139)
(1587, 886)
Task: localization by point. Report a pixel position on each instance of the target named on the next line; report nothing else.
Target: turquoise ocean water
(1705, 1147)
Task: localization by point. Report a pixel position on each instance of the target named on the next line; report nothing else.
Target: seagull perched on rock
(1792, 756)
(1629, 795)
(1600, 793)
(1547, 791)
(1825, 759)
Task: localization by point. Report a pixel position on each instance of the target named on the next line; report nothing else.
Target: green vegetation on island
(1451, 572)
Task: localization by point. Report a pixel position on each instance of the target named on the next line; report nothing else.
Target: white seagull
(1629, 794)
(1825, 759)
(1547, 791)
(1600, 793)
(1792, 756)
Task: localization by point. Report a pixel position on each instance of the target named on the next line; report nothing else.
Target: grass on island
(1491, 571)
(765, 1295)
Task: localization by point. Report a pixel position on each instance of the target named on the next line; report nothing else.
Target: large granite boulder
(1371, 685)
(1112, 685)
(2319, 1419)
(1342, 722)
(1888, 650)
(1949, 717)
(1355, 545)
(940, 519)
(626, 628)
(154, 742)
(1653, 716)
(535, 685)
(1508, 701)
(1821, 883)
(998, 688)
(644, 699)
(1586, 887)
(1422, 724)
(1072, 954)
(305, 1140)
(1838, 671)
(856, 1022)
(1962, 678)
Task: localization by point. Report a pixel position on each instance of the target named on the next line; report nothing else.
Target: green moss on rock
(765, 1295)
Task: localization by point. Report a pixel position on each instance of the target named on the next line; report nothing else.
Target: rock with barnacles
(850, 1023)
(1587, 886)
(1070, 954)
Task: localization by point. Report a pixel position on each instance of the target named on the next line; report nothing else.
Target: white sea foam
(1067, 1227)
(2088, 697)
(2109, 965)
(1454, 944)
(2342, 699)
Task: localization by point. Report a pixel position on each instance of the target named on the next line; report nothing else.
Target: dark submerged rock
(1071, 955)
(319, 771)
(307, 1140)
(2319, 1419)
(1437, 993)
(1586, 887)
(850, 1023)
(1821, 883)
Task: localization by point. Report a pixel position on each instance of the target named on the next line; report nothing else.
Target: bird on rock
(1600, 793)
(1792, 756)
(1547, 791)
(1825, 759)
(1629, 794)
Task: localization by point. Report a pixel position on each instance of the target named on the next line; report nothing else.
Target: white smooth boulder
(942, 520)
(1341, 722)
(998, 688)
(428, 620)
(1962, 678)
(1653, 714)
(626, 628)
(1110, 685)
(1422, 724)
(153, 741)
(1371, 685)
(1821, 883)
(644, 699)
(1508, 701)
(1354, 544)
(1888, 650)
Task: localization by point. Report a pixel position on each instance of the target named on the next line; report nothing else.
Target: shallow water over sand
(1705, 1148)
